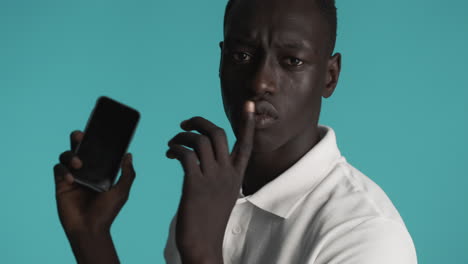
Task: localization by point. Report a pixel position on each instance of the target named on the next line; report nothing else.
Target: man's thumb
(128, 174)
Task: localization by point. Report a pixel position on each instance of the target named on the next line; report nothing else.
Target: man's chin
(264, 143)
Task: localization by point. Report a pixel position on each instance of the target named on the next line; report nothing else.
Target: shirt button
(236, 230)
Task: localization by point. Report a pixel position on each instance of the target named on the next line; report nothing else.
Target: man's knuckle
(189, 174)
(179, 135)
(196, 119)
(244, 148)
(74, 133)
(202, 140)
(218, 133)
(63, 157)
(57, 168)
(187, 155)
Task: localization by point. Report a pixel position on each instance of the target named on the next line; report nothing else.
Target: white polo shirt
(321, 210)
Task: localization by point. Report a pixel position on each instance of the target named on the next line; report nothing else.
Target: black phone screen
(106, 139)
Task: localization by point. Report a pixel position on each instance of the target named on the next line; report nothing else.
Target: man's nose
(264, 79)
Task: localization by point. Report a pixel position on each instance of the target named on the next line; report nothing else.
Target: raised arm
(86, 216)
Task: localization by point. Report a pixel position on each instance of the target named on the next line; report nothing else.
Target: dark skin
(86, 216)
(267, 55)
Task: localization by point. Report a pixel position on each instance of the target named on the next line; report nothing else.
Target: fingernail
(77, 135)
(76, 163)
(250, 107)
(69, 178)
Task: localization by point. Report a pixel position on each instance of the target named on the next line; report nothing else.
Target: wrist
(87, 233)
(86, 241)
(91, 247)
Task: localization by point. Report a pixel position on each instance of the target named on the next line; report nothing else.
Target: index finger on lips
(244, 145)
(216, 135)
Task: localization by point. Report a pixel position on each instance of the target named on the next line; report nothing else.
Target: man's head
(278, 54)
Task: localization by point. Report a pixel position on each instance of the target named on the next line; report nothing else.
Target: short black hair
(327, 9)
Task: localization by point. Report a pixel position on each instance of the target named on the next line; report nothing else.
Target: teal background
(400, 110)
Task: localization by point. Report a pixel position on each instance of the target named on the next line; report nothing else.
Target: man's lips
(264, 108)
(265, 114)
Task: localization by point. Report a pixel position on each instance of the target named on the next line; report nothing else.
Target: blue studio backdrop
(399, 112)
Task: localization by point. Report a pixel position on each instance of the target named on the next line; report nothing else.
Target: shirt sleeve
(378, 240)
(171, 253)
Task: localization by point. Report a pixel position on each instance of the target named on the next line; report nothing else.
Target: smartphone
(107, 135)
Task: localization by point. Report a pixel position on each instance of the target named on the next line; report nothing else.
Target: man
(301, 202)
(284, 194)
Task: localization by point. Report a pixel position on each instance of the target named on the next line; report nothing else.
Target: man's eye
(241, 57)
(294, 61)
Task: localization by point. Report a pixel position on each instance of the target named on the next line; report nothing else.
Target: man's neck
(266, 166)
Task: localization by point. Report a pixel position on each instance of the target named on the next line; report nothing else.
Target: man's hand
(212, 182)
(86, 215)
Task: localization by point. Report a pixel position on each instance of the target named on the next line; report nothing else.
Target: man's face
(276, 53)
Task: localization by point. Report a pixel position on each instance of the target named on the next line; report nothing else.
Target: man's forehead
(248, 16)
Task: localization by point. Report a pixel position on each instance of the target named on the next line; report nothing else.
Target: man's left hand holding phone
(87, 209)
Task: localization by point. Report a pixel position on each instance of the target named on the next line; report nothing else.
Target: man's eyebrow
(241, 41)
(293, 44)
(284, 43)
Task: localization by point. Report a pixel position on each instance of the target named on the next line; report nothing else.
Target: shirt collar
(282, 195)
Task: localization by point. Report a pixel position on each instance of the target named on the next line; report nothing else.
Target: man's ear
(221, 44)
(333, 74)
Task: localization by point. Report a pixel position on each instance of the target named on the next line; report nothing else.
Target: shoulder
(346, 193)
(356, 221)
(374, 240)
